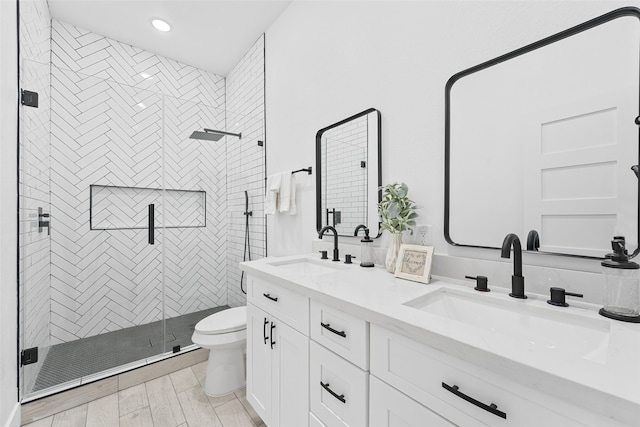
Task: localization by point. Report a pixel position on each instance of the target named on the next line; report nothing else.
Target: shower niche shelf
(126, 208)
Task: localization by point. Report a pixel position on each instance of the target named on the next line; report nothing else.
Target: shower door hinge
(28, 98)
(29, 356)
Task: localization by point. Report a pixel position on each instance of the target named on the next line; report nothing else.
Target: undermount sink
(307, 266)
(526, 324)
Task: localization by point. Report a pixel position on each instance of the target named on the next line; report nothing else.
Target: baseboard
(14, 416)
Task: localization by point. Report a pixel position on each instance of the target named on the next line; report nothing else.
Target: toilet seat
(222, 322)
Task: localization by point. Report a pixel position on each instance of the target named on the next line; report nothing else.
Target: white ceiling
(209, 34)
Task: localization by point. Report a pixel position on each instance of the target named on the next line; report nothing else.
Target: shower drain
(158, 340)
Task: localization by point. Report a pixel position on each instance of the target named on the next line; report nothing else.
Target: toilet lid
(229, 320)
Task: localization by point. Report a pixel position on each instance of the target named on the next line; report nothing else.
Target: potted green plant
(397, 214)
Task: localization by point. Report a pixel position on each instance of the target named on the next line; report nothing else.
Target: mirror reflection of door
(545, 141)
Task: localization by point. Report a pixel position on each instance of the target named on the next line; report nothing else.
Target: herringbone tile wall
(195, 258)
(35, 29)
(116, 121)
(90, 54)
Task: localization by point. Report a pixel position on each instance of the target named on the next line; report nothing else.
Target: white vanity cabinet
(277, 354)
(329, 354)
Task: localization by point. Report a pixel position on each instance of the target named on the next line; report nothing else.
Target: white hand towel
(284, 200)
(292, 198)
(272, 192)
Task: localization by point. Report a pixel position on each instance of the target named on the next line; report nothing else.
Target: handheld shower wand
(247, 247)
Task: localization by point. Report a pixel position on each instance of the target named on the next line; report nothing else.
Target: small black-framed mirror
(349, 173)
(541, 142)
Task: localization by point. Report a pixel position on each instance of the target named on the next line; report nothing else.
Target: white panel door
(577, 174)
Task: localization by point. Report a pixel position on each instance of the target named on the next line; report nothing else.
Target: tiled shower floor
(87, 356)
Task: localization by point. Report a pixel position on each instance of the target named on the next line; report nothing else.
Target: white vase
(392, 252)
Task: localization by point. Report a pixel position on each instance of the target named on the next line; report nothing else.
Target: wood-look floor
(174, 400)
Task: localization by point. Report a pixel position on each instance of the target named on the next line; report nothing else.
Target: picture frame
(414, 263)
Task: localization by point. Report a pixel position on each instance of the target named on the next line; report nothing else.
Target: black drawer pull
(270, 297)
(271, 337)
(328, 327)
(264, 330)
(333, 393)
(493, 408)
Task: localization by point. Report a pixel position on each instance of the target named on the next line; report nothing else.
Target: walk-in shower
(107, 140)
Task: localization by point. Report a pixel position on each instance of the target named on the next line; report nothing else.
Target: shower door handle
(152, 224)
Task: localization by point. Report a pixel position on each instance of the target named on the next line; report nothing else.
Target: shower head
(212, 135)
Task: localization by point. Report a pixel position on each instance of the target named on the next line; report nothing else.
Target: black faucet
(360, 227)
(336, 256)
(517, 281)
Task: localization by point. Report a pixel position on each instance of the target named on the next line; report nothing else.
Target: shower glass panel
(96, 301)
(35, 204)
(97, 297)
(195, 257)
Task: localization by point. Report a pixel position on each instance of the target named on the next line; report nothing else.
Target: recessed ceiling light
(161, 25)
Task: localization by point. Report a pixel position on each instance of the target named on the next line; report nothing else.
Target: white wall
(9, 408)
(328, 60)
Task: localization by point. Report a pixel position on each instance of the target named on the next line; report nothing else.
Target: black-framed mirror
(540, 142)
(349, 173)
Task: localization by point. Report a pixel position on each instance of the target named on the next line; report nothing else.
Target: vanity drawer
(342, 333)
(456, 390)
(288, 306)
(339, 391)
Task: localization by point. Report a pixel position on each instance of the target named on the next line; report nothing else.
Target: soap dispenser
(622, 284)
(366, 250)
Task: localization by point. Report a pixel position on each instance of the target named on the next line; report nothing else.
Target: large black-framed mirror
(349, 173)
(540, 142)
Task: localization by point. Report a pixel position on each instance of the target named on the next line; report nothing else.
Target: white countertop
(608, 384)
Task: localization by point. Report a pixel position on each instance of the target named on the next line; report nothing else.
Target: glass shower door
(102, 279)
(35, 208)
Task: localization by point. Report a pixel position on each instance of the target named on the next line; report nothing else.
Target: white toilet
(225, 335)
